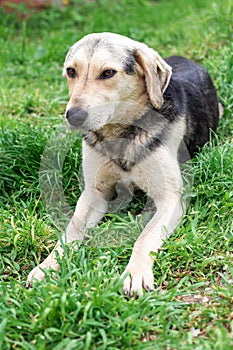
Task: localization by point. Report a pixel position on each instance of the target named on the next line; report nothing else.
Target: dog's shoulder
(187, 76)
(183, 67)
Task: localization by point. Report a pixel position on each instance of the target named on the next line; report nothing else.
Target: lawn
(82, 307)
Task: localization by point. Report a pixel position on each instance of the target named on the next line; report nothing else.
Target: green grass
(82, 307)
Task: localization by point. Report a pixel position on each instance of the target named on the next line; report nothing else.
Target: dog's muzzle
(76, 117)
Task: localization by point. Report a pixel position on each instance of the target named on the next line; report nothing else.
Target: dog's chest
(127, 149)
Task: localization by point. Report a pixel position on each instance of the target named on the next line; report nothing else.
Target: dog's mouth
(83, 127)
(92, 119)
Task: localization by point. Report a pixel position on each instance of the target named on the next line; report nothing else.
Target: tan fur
(220, 110)
(157, 74)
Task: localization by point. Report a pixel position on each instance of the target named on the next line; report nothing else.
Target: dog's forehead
(114, 45)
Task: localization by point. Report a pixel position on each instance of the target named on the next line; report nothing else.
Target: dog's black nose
(76, 116)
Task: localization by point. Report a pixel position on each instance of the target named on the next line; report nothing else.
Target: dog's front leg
(151, 239)
(167, 198)
(89, 210)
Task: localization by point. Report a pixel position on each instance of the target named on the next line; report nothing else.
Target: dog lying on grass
(139, 115)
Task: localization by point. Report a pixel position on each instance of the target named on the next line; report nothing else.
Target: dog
(139, 115)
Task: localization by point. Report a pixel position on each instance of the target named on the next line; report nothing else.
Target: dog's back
(192, 89)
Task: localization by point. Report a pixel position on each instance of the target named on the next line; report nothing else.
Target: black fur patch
(194, 96)
(153, 143)
(129, 64)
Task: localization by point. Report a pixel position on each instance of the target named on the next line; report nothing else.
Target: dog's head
(111, 77)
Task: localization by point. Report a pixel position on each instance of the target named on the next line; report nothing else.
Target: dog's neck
(110, 131)
(126, 144)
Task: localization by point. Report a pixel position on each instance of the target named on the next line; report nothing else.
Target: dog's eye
(107, 74)
(71, 72)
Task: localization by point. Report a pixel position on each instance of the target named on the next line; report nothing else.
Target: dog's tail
(220, 110)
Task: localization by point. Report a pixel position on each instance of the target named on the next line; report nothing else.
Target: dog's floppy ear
(157, 73)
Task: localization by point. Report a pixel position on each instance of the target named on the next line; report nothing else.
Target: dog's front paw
(139, 277)
(38, 272)
(49, 263)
